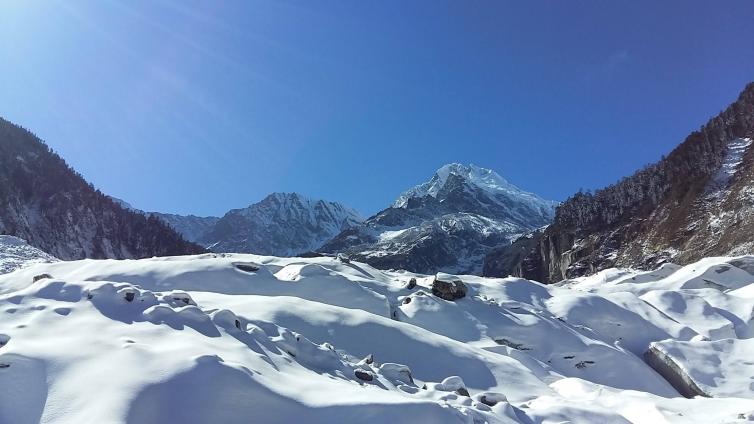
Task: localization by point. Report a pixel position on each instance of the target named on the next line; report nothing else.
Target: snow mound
(233, 338)
(720, 368)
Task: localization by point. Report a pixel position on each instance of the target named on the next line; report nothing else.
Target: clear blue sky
(202, 106)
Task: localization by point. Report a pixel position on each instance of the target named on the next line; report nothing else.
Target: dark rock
(130, 296)
(673, 373)
(485, 400)
(311, 255)
(247, 267)
(41, 277)
(238, 324)
(449, 290)
(512, 344)
(3, 365)
(411, 284)
(406, 301)
(369, 360)
(364, 375)
(463, 392)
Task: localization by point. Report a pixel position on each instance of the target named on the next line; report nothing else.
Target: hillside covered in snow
(242, 338)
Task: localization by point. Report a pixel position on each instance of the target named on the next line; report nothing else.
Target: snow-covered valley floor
(251, 339)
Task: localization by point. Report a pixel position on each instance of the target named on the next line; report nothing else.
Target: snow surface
(238, 338)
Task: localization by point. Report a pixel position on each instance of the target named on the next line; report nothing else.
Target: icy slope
(15, 253)
(240, 338)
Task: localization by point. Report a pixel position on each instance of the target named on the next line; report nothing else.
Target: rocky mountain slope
(447, 224)
(45, 202)
(282, 224)
(696, 202)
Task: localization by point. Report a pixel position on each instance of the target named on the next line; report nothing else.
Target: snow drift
(245, 338)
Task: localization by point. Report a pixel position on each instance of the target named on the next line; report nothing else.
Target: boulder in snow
(41, 277)
(397, 373)
(363, 375)
(491, 398)
(449, 290)
(411, 283)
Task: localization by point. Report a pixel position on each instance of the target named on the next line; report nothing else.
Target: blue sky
(199, 107)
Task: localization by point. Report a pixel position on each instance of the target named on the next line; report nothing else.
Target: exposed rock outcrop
(449, 290)
(672, 372)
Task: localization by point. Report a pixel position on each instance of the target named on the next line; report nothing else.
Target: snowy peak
(471, 176)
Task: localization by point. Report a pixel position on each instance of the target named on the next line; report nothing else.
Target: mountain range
(448, 223)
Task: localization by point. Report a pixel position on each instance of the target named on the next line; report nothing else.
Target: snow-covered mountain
(697, 201)
(448, 223)
(236, 338)
(48, 204)
(282, 224)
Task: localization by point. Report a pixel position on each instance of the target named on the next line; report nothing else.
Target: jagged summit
(281, 224)
(294, 204)
(471, 174)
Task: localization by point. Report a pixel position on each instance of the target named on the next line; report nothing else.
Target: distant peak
(477, 175)
(287, 201)
(282, 195)
(483, 178)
